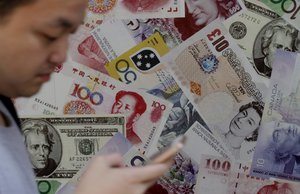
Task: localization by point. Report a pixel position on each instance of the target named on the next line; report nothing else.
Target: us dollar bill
(59, 146)
(98, 93)
(277, 149)
(259, 31)
(289, 10)
(117, 144)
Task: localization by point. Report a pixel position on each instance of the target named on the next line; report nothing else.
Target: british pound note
(216, 77)
(158, 82)
(125, 9)
(289, 10)
(59, 147)
(278, 148)
(93, 92)
(257, 31)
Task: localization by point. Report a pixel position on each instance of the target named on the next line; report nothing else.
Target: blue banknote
(277, 151)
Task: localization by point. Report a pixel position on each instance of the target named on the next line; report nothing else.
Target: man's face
(39, 150)
(280, 40)
(126, 106)
(203, 11)
(245, 122)
(286, 137)
(33, 41)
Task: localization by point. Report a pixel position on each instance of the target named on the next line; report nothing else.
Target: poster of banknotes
(140, 73)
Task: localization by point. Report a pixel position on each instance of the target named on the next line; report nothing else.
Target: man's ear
(136, 117)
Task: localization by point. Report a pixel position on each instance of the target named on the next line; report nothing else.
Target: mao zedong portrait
(132, 106)
(39, 143)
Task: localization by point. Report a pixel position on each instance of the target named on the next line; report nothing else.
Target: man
(200, 13)
(132, 105)
(244, 126)
(284, 146)
(39, 142)
(34, 36)
(278, 34)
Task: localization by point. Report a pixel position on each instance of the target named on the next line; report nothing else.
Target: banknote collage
(140, 73)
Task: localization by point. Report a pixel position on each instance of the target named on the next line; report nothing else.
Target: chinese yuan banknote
(69, 142)
(217, 78)
(117, 144)
(125, 9)
(49, 100)
(255, 29)
(93, 93)
(158, 82)
(222, 176)
(277, 150)
(289, 10)
(85, 50)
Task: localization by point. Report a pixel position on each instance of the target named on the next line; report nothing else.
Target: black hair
(8, 6)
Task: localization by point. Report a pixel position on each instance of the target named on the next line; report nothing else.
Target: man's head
(246, 122)
(34, 37)
(131, 104)
(39, 142)
(202, 11)
(278, 35)
(285, 141)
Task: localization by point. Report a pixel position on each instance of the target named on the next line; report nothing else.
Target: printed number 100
(217, 164)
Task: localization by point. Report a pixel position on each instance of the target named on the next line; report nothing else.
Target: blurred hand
(107, 175)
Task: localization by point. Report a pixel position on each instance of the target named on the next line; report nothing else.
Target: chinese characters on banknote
(139, 73)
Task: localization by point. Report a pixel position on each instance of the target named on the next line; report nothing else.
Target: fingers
(111, 160)
(147, 173)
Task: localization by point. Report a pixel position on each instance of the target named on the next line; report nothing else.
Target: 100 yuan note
(125, 9)
(278, 148)
(98, 93)
(259, 31)
(48, 101)
(159, 83)
(68, 141)
(289, 10)
(216, 76)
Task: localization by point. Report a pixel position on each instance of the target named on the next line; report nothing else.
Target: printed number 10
(219, 42)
